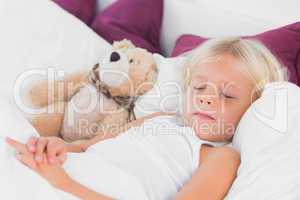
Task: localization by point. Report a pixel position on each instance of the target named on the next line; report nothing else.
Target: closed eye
(199, 88)
(229, 96)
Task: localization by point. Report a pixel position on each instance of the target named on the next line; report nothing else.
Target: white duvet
(19, 182)
(268, 139)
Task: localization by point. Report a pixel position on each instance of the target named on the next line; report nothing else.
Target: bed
(38, 34)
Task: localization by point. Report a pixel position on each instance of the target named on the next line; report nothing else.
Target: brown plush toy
(100, 101)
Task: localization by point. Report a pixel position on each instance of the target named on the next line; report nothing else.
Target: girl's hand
(54, 173)
(54, 148)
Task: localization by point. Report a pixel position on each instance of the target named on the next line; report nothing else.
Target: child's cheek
(189, 101)
(229, 123)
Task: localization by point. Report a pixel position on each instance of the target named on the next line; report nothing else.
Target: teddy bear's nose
(115, 56)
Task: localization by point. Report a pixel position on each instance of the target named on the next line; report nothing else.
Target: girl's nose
(205, 101)
(208, 102)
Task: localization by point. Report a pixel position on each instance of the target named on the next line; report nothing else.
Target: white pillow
(167, 92)
(268, 139)
(215, 18)
(39, 34)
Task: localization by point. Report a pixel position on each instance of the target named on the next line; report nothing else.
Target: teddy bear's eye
(131, 61)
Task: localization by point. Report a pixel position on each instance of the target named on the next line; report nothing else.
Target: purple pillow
(137, 20)
(82, 9)
(283, 42)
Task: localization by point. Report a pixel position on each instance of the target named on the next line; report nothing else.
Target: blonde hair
(261, 65)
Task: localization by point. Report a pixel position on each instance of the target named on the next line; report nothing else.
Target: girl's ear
(123, 45)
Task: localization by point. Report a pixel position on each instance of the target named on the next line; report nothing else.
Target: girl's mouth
(204, 116)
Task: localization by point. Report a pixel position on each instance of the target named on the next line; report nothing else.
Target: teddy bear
(95, 102)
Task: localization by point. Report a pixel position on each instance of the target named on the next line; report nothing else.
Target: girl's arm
(82, 192)
(214, 176)
(54, 173)
(85, 145)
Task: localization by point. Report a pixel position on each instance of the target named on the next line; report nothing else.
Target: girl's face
(218, 95)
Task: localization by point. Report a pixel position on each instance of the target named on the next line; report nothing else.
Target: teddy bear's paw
(38, 94)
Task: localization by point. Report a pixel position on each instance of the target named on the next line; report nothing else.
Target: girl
(186, 159)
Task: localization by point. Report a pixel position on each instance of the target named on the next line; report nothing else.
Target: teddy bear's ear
(123, 45)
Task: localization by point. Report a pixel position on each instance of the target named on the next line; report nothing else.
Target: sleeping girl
(183, 156)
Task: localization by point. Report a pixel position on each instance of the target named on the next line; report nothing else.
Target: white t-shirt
(161, 154)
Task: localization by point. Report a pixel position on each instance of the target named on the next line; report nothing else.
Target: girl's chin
(211, 135)
(208, 131)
